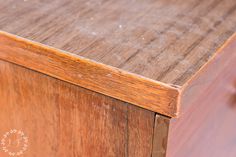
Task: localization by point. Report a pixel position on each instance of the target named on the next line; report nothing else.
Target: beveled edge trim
(135, 89)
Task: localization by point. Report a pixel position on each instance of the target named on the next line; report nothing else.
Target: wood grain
(153, 54)
(165, 40)
(206, 126)
(143, 121)
(160, 137)
(61, 119)
(107, 80)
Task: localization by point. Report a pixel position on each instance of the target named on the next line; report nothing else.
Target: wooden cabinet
(117, 78)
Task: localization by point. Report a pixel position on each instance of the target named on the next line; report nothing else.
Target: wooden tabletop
(167, 41)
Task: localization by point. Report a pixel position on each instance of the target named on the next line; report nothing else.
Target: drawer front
(206, 126)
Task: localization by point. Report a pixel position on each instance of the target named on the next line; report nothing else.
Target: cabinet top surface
(164, 40)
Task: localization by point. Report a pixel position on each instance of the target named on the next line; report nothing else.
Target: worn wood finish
(61, 119)
(113, 82)
(165, 40)
(206, 126)
(157, 55)
(151, 43)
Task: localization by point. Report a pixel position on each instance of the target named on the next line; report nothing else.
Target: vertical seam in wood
(153, 131)
(127, 131)
(159, 136)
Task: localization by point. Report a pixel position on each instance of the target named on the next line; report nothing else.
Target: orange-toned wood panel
(61, 119)
(140, 91)
(206, 126)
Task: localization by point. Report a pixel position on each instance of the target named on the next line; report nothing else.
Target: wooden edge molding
(140, 91)
(199, 82)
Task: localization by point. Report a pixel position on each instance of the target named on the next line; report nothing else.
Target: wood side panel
(61, 119)
(206, 126)
(160, 137)
(107, 80)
